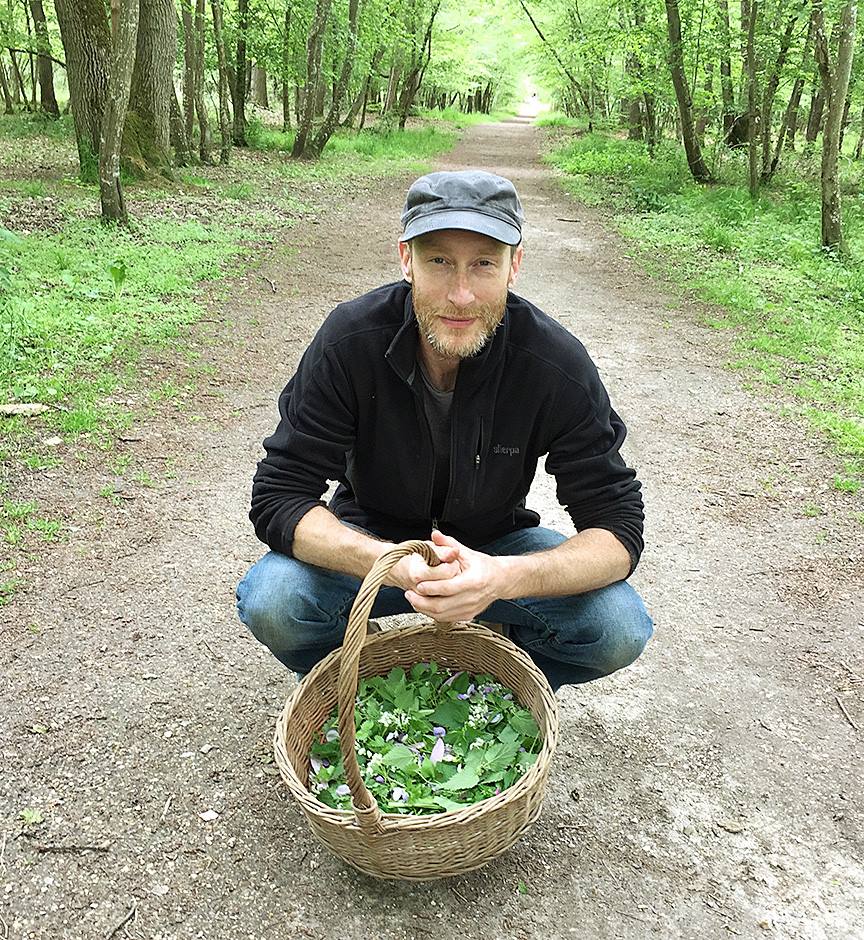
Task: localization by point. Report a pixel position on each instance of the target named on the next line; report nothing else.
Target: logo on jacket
(501, 449)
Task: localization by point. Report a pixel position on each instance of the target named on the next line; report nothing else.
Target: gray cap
(472, 200)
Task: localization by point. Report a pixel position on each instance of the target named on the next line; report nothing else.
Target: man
(430, 401)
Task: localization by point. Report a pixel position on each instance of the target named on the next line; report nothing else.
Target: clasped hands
(459, 588)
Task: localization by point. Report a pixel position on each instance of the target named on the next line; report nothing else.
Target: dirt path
(713, 789)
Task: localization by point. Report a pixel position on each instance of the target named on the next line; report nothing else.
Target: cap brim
(466, 221)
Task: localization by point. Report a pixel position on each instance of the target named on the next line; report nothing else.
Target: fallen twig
(5, 927)
(132, 912)
(165, 811)
(71, 849)
(845, 713)
(272, 285)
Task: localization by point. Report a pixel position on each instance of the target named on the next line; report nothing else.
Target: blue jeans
(299, 612)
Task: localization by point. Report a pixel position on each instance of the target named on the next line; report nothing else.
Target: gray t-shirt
(437, 405)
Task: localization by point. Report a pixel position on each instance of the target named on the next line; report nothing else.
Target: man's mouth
(457, 323)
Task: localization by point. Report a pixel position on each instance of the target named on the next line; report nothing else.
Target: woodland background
(723, 137)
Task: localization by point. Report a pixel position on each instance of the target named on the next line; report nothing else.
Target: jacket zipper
(475, 476)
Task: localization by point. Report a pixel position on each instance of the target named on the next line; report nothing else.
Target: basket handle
(366, 808)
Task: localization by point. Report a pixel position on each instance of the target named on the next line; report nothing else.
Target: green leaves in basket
(428, 741)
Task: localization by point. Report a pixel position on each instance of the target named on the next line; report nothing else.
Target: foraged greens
(428, 741)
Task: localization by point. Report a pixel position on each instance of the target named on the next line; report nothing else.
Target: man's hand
(462, 595)
(412, 570)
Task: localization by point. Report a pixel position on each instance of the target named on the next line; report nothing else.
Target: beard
(451, 343)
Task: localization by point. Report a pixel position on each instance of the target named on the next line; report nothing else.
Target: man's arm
(321, 539)
(592, 559)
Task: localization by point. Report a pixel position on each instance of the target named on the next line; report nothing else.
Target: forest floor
(713, 789)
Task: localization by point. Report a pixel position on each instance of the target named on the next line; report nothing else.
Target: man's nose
(460, 293)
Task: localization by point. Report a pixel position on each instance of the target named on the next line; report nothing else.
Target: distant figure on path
(430, 401)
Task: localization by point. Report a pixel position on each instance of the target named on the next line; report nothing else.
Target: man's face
(460, 281)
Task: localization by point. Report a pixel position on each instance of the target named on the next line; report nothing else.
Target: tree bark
(188, 69)
(240, 72)
(752, 110)
(46, 70)
(835, 81)
(259, 87)
(20, 90)
(4, 86)
(325, 132)
(224, 91)
(859, 147)
(420, 59)
(363, 94)
(313, 76)
(204, 141)
(786, 135)
(771, 87)
(726, 90)
(147, 139)
(87, 43)
(682, 94)
(286, 71)
(179, 140)
(814, 116)
(124, 17)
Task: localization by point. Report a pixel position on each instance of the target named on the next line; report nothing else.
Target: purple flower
(495, 718)
(485, 689)
(437, 751)
(462, 695)
(438, 731)
(452, 679)
(379, 778)
(508, 697)
(332, 735)
(325, 762)
(497, 790)
(470, 689)
(343, 790)
(399, 794)
(316, 764)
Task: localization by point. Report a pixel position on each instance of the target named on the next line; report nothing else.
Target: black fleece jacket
(353, 413)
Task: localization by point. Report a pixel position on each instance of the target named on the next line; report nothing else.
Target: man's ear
(515, 264)
(405, 259)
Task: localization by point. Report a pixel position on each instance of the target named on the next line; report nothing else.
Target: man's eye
(437, 261)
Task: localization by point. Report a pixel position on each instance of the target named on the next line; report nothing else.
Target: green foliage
(86, 298)
(796, 311)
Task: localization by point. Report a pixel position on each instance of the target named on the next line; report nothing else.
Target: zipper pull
(434, 523)
(477, 462)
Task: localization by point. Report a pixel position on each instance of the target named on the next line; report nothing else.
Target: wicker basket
(388, 845)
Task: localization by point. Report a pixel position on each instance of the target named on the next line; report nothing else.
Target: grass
(81, 304)
(796, 312)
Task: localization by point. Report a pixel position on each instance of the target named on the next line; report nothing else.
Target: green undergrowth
(796, 311)
(354, 153)
(459, 119)
(78, 306)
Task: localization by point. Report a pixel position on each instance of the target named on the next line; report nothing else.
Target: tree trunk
(420, 59)
(859, 147)
(814, 118)
(179, 140)
(4, 86)
(259, 87)
(124, 18)
(20, 90)
(313, 76)
(147, 136)
(240, 72)
(682, 94)
(771, 91)
(286, 72)
(224, 91)
(46, 70)
(204, 141)
(835, 81)
(363, 94)
(726, 90)
(752, 110)
(188, 69)
(87, 44)
(325, 132)
(786, 135)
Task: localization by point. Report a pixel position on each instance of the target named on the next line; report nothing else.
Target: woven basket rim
(535, 774)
